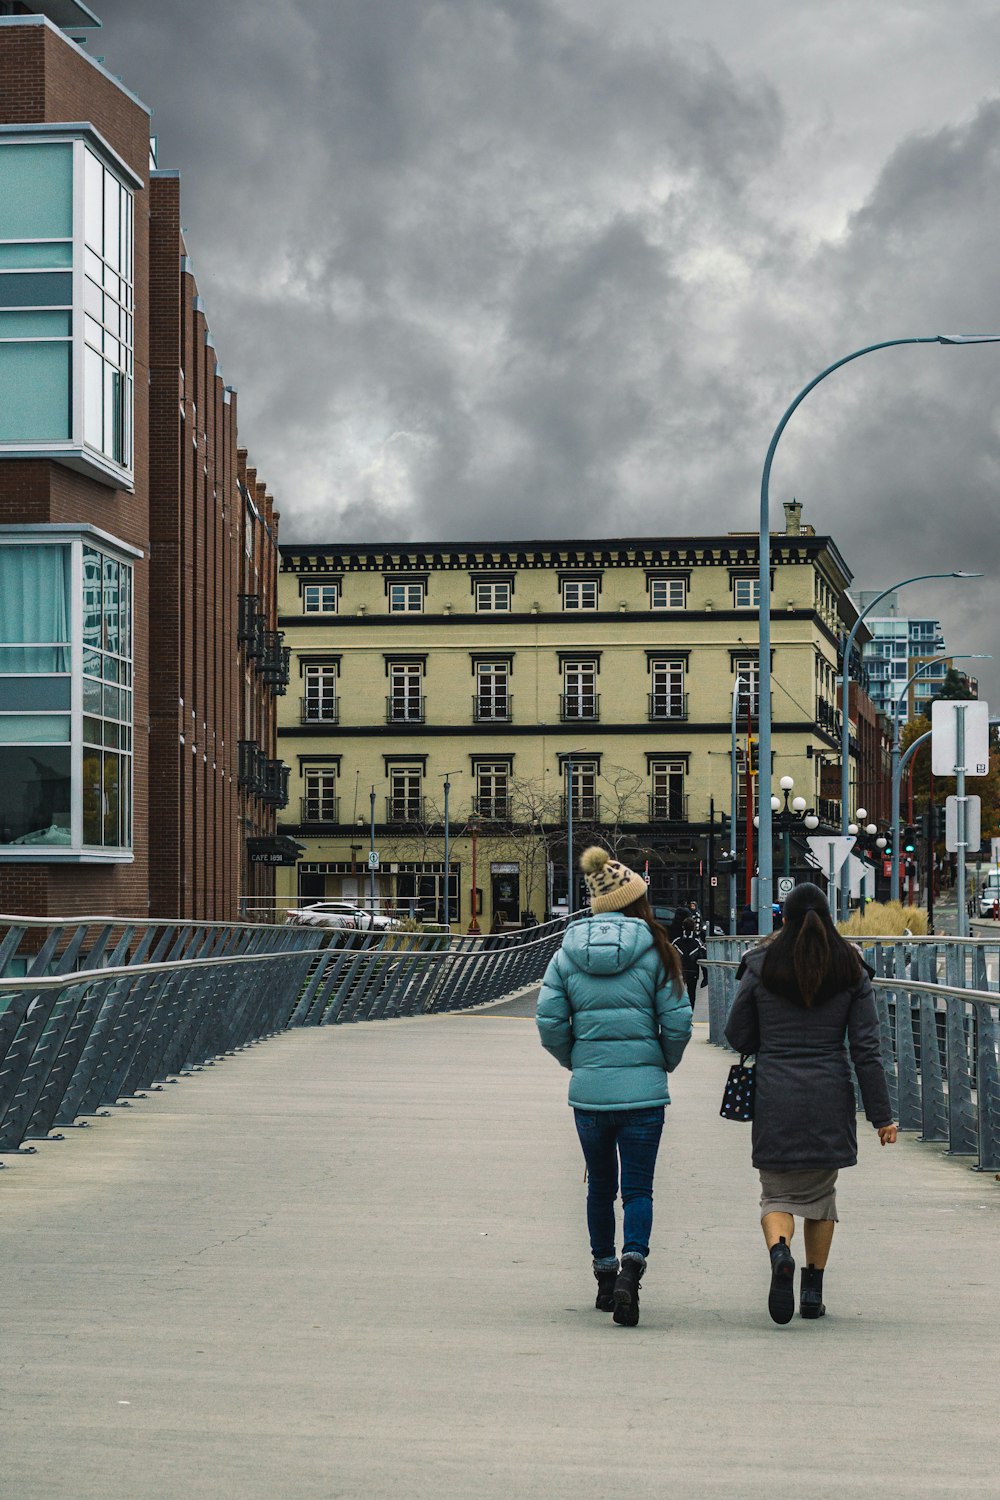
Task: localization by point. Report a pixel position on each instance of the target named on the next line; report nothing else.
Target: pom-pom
(593, 859)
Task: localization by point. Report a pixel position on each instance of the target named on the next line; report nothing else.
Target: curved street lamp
(765, 895)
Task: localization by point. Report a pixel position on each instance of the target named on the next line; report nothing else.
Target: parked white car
(342, 916)
(989, 893)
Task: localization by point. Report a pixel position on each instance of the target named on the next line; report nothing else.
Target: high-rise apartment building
(899, 645)
(129, 524)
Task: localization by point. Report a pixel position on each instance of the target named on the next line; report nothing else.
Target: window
(492, 598)
(319, 706)
(582, 779)
(320, 803)
(66, 367)
(580, 699)
(668, 803)
(668, 699)
(746, 593)
(319, 598)
(406, 598)
(492, 700)
(406, 803)
(65, 699)
(748, 698)
(405, 703)
(667, 593)
(579, 593)
(492, 789)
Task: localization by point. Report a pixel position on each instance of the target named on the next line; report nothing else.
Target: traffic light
(940, 823)
(909, 839)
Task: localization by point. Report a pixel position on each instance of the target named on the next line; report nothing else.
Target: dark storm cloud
(488, 269)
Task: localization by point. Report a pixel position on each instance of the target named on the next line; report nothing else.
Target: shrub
(885, 919)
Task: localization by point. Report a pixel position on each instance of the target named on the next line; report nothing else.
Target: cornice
(576, 618)
(640, 553)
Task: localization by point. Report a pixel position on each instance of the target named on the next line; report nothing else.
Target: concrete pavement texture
(353, 1263)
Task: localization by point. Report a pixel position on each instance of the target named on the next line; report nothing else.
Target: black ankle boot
(781, 1298)
(626, 1293)
(606, 1278)
(811, 1303)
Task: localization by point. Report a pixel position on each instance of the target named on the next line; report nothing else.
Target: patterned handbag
(737, 1100)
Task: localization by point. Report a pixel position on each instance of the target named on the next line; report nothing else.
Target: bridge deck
(351, 1262)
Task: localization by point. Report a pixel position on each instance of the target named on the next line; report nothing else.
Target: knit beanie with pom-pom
(611, 884)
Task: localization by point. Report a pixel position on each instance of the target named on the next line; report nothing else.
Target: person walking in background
(692, 952)
(799, 995)
(612, 1009)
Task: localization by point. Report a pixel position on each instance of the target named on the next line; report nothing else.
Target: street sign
(995, 851)
(862, 877)
(973, 824)
(786, 885)
(712, 880)
(830, 849)
(373, 859)
(944, 740)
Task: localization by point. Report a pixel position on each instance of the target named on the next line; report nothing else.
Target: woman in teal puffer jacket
(612, 1008)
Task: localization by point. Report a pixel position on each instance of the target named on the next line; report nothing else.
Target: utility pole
(711, 865)
(447, 850)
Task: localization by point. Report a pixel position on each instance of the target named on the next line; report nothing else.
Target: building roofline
(744, 541)
(73, 129)
(68, 40)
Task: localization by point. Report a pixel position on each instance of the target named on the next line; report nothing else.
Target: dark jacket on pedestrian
(746, 922)
(692, 952)
(804, 1110)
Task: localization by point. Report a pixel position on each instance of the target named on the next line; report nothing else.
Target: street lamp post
(787, 817)
(447, 849)
(765, 865)
(371, 854)
(733, 805)
(897, 778)
(474, 833)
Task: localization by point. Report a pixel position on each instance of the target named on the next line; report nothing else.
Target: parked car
(989, 893)
(341, 915)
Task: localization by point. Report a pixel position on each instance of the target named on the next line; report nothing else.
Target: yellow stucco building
(517, 671)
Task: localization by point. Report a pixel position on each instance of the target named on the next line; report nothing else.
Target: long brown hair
(808, 961)
(669, 957)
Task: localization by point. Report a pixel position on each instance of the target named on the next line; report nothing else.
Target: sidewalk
(352, 1263)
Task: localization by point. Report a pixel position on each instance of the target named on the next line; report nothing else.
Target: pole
(371, 862)
(733, 808)
(711, 865)
(930, 861)
(748, 778)
(447, 855)
(474, 923)
(960, 808)
(569, 837)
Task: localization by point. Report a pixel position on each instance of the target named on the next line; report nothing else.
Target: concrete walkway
(352, 1262)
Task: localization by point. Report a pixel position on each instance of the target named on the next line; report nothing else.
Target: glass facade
(65, 697)
(66, 356)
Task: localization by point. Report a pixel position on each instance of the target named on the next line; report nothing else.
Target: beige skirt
(810, 1193)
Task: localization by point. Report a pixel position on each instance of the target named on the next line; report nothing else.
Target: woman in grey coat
(800, 996)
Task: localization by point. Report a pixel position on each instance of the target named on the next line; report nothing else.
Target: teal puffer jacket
(607, 1011)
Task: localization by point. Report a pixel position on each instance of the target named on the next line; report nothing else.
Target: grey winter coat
(804, 1110)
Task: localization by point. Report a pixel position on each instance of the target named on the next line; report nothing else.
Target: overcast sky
(485, 269)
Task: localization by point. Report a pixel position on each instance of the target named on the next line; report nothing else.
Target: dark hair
(808, 961)
(669, 957)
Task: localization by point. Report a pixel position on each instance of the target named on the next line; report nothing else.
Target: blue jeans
(634, 1136)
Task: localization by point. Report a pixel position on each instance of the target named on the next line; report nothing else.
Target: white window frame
(667, 688)
(577, 593)
(76, 851)
(406, 691)
(407, 777)
(580, 684)
(407, 598)
(661, 774)
(319, 689)
(749, 586)
(749, 669)
(495, 775)
(493, 687)
(75, 451)
(320, 598)
(319, 785)
(673, 593)
(493, 598)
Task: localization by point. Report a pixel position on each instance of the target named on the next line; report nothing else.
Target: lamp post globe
(786, 783)
(811, 821)
(861, 816)
(798, 804)
(852, 829)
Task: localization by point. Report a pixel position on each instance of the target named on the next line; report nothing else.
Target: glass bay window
(66, 300)
(65, 695)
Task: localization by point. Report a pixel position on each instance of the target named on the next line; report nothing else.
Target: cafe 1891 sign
(274, 851)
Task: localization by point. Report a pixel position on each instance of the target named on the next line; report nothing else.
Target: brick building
(129, 523)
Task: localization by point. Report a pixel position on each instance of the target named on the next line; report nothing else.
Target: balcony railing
(495, 809)
(829, 811)
(275, 661)
(250, 626)
(404, 809)
(320, 809)
(668, 706)
(747, 704)
(492, 710)
(586, 808)
(668, 807)
(827, 716)
(320, 710)
(573, 706)
(406, 710)
(274, 788)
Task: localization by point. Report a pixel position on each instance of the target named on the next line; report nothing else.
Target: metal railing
(411, 709)
(319, 710)
(938, 1003)
(668, 807)
(99, 1010)
(317, 808)
(667, 705)
(573, 706)
(498, 709)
